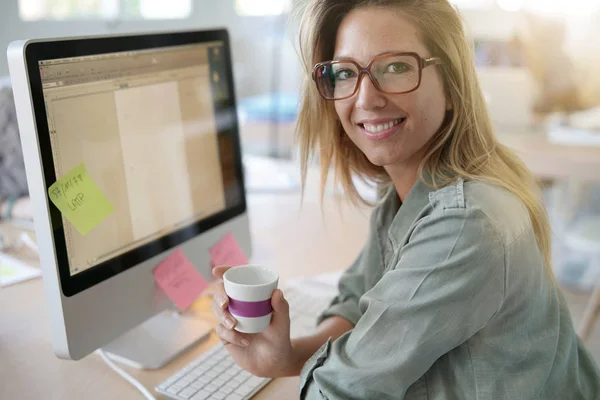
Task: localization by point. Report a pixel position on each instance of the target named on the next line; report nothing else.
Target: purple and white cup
(249, 288)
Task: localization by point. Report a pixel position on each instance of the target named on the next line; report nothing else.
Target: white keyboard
(215, 376)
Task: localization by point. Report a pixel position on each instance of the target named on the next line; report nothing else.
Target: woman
(452, 296)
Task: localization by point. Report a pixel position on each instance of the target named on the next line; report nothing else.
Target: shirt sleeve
(351, 287)
(447, 284)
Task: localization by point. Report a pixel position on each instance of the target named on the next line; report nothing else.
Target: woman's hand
(265, 354)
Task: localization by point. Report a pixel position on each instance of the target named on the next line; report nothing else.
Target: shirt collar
(399, 216)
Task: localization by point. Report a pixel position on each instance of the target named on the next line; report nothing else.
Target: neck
(403, 177)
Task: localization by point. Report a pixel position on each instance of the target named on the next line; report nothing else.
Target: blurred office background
(537, 62)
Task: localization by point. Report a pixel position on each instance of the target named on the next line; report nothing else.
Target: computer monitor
(153, 119)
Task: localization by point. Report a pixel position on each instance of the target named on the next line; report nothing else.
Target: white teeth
(381, 127)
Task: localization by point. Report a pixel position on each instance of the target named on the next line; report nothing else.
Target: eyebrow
(343, 57)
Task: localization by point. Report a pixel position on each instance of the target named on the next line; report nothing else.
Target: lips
(378, 130)
(371, 128)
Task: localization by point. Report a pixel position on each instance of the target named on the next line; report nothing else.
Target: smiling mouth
(375, 129)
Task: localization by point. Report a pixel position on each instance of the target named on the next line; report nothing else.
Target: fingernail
(245, 342)
(221, 299)
(229, 323)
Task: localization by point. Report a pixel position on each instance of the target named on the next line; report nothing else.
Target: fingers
(281, 309)
(229, 336)
(219, 270)
(279, 303)
(222, 314)
(219, 295)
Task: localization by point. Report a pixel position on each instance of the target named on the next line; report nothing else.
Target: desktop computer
(150, 120)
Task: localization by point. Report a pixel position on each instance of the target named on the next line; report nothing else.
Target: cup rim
(252, 266)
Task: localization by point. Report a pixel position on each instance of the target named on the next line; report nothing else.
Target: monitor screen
(156, 131)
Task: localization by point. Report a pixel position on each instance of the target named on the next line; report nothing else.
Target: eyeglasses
(392, 73)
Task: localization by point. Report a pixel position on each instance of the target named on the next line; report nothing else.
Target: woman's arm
(446, 286)
(305, 347)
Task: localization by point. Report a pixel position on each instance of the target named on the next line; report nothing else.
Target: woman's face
(367, 115)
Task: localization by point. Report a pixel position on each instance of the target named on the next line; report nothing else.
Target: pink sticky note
(227, 251)
(179, 279)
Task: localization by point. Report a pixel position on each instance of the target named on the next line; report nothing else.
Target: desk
(297, 240)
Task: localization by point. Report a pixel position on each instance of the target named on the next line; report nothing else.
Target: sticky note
(227, 251)
(13, 271)
(80, 200)
(179, 279)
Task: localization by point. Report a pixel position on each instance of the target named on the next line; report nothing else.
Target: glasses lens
(336, 80)
(396, 74)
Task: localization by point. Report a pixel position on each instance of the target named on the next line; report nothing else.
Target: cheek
(431, 110)
(344, 113)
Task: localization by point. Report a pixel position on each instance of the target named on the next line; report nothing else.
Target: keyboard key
(244, 389)
(245, 374)
(219, 381)
(173, 390)
(211, 388)
(219, 395)
(187, 393)
(227, 389)
(228, 373)
(255, 381)
(178, 385)
(201, 395)
(234, 396)
(238, 379)
(186, 380)
(211, 374)
(236, 368)
(198, 385)
(219, 368)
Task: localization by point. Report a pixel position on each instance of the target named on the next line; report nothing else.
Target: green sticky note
(80, 200)
(6, 271)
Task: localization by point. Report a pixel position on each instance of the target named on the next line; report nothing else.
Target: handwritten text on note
(227, 251)
(80, 200)
(179, 279)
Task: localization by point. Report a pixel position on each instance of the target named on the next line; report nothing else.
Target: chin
(381, 160)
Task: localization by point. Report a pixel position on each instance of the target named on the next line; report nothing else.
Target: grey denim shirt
(450, 299)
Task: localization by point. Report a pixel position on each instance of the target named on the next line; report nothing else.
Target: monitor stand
(157, 341)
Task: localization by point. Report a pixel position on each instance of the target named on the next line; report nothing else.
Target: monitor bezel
(66, 48)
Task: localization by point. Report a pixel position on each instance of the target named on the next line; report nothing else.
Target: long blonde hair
(464, 147)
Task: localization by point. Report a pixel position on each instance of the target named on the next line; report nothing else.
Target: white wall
(252, 38)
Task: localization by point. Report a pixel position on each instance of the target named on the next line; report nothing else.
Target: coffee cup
(249, 288)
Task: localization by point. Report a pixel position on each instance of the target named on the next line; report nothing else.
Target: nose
(368, 96)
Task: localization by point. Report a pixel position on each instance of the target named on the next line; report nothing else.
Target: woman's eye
(397, 68)
(344, 74)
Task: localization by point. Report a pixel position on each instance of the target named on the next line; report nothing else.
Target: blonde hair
(465, 146)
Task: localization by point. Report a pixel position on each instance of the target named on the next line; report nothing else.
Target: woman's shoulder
(500, 207)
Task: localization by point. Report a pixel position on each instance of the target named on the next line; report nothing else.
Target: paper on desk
(227, 251)
(14, 271)
(179, 279)
(80, 200)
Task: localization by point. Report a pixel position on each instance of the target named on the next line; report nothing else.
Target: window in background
(262, 7)
(34, 10)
